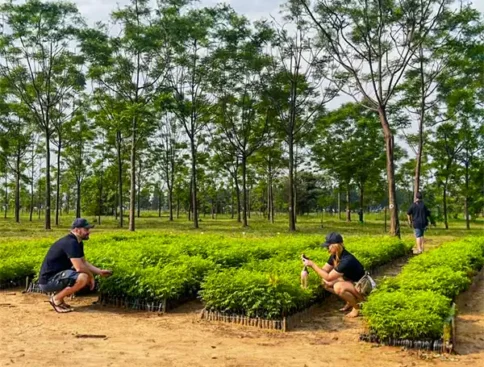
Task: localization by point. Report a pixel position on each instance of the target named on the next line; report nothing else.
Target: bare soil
(32, 334)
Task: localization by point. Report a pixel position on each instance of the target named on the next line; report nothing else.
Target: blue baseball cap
(81, 223)
(332, 238)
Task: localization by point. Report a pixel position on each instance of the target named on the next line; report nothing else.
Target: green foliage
(254, 293)
(415, 303)
(407, 314)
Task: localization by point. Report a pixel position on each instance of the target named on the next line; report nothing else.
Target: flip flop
(60, 308)
(345, 308)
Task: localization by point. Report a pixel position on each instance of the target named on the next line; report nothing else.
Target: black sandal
(60, 308)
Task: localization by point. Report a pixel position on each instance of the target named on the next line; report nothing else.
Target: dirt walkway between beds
(32, 334)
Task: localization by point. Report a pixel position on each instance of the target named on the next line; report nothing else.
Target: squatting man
(65, 269)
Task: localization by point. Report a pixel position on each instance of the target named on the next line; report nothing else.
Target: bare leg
(81, 282)
(421, 244)
(329, 286)
(347, 291)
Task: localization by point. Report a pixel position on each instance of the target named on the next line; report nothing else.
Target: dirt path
(470, 320)
(32, 334)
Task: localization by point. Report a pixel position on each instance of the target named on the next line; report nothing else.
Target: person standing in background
(418, 216)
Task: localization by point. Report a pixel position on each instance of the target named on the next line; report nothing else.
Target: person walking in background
(418, 216)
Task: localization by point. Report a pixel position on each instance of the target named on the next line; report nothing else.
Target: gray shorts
(63, 279)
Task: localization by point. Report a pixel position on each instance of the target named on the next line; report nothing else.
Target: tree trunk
(17, 188)
(57, 183)
(190, 201)
(194, 180)
(139, 192)
(249, 203)
(348, 203)
(392, 200)
(244, 193)
(339, 204)
(132, 189)
(362, 190)
(177, 208)
(32, 188)
(270, 199)
(78, 199)
(47, 176)
(232, 209)
(292, 220)
(418, 163)
(295, 188)
(466, 202)
(120, 178)
(100, 198)
(6, 196)
(273, 210)
(239, 204)
(170, 202)
(446, 223)
(213, 210)
(39, 201)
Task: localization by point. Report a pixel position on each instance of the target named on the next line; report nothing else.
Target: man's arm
(91, 267)
(409, 215)
(96, 270)
(81, 267)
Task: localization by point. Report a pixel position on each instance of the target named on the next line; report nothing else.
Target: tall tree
(300, 72)
(78, 150)
(133, 65)
(346, 146)
(37, 59)
(240, 70)
(167, 153)
(188, 78)
(445, 148)
(374, 41)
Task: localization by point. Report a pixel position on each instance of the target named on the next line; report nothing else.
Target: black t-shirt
(349, 266)
(59, 255)
(419, 213)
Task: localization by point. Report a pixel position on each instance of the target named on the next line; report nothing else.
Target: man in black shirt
(340, 273)
(65, 269)
(418, 217)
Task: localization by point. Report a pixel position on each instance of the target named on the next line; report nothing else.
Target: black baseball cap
(333, 237)
(81, 223)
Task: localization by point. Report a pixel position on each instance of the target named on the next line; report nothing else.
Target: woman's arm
(327, 272)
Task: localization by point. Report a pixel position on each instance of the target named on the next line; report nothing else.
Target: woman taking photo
(341, 273)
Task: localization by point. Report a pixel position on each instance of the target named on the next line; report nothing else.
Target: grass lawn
(224, 225)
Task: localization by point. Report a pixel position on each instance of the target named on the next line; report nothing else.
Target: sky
(96, 10)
